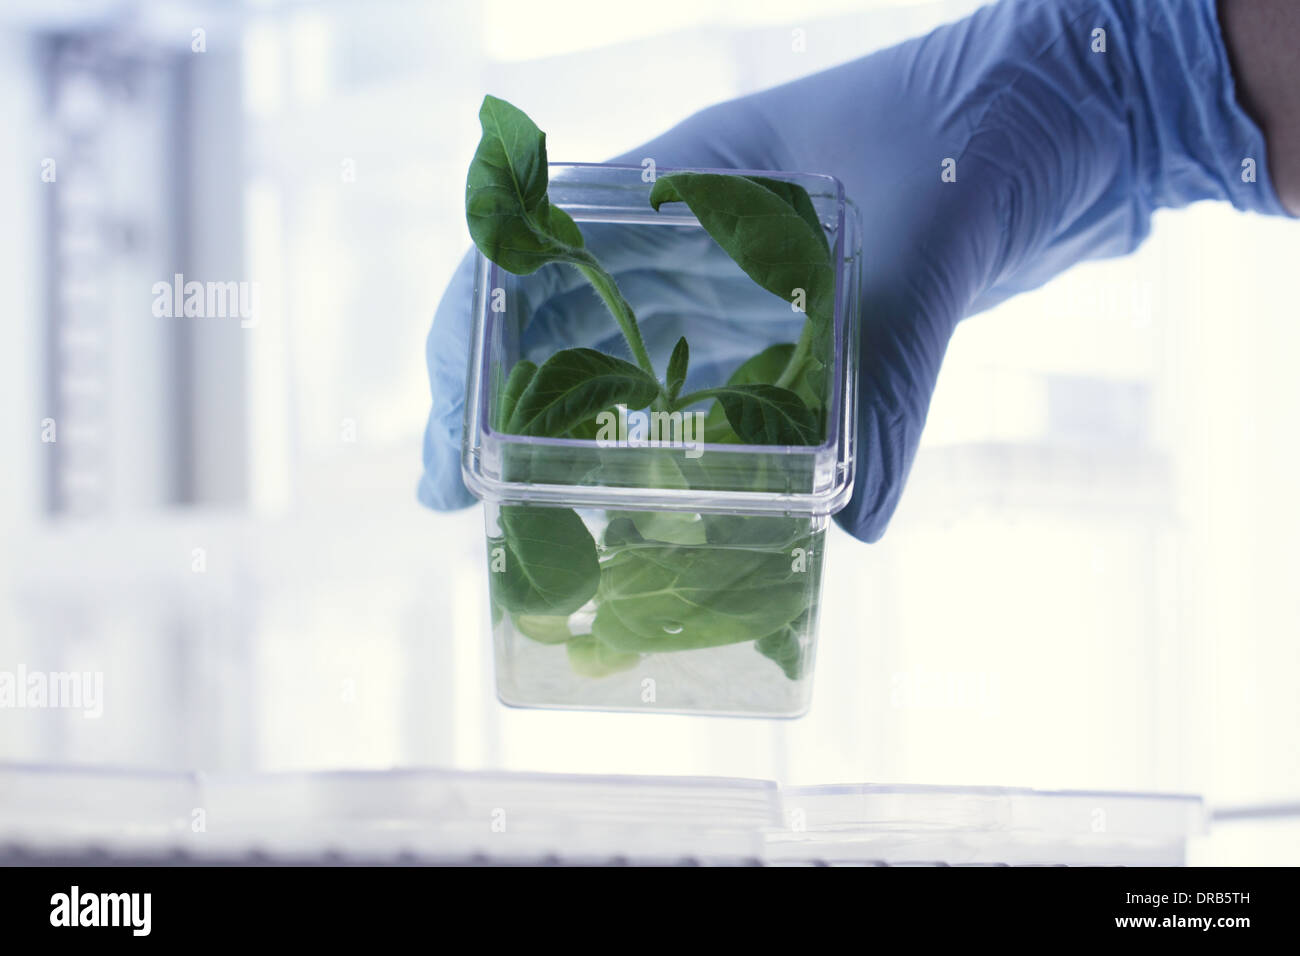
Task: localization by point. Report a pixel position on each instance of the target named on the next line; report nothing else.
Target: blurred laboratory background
(1092, 581)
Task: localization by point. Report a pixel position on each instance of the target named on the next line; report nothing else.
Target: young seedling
(662, 586)
(767, 226)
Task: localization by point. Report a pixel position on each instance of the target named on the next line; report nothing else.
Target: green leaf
(590, 658)
(543, 628)
(670, 527)
(549, 564)
(768, 235)
(589, 428)
(512, 221)
(621, 531)
(561, 224)
(785, 648)
(510, 218)
(768, 415)
(798, 199)
(762, 532)
(770, 228)
(677, 368)
(572, 386)
(520, 376)
(672, 598)
(762, 369)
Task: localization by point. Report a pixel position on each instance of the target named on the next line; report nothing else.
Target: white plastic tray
(418, 816)
(896, 825)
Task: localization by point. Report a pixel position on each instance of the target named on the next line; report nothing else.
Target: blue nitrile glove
(1058, 152)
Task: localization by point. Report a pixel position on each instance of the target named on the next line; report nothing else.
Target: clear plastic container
(79, 815)
(704, 558)
(75, 815)
(902, 825)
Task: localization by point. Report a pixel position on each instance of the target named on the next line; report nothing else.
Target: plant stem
(618, 306)
(797, 357)
(685, 401)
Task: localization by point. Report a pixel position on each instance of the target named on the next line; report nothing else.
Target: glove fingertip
(866, 528)
(443, 496)
(447, 344)
(887, 440)
(441, 486)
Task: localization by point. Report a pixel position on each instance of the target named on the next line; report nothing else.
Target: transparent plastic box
(105, 815)
(908, 825)
(709, 555)
(82, 815)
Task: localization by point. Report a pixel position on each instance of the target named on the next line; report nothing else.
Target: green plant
(662, 581)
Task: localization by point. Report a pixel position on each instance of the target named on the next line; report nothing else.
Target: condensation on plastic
(496, 817)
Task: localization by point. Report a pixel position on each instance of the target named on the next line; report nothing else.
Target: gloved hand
(985, 158)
